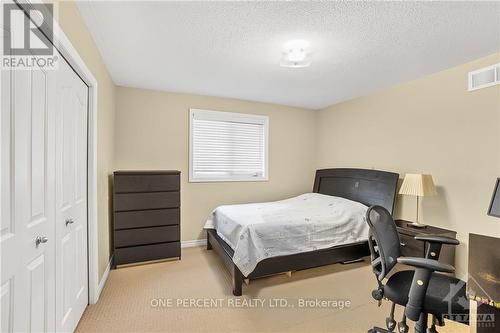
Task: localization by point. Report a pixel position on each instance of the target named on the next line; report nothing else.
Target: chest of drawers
(146, 209)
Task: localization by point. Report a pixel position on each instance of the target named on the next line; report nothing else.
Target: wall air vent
(484, 77)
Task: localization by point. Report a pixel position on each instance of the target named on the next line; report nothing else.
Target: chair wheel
(402, 327)
(390, 323)
(378, 294)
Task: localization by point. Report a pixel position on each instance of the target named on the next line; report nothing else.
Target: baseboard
(193, 243)
(104, 278)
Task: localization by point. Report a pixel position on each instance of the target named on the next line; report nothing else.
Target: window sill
(228, 180)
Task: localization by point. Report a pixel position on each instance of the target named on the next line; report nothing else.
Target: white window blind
(227, 146)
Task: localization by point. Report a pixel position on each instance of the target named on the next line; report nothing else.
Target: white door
(70, 104)
(43, 178)
(27, 203)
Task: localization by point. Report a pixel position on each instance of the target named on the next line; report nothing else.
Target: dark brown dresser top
(147, 172)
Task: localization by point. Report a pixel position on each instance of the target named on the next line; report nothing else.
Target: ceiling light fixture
(296, 54)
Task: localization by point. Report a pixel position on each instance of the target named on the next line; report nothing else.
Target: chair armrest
(428, 264)
(435, 244)
(437, 239)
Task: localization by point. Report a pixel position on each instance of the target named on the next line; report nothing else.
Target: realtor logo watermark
(27, 43)
(269, 303)
(454, 296)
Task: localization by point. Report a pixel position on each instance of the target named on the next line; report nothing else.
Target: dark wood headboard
(370, 187)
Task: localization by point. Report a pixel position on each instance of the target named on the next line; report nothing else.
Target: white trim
(104, 278)
(69, 52)
(193, 243)
(234, 117)
(228, 116)
(221, 180)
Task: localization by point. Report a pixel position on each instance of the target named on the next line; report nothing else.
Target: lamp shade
(418, 185)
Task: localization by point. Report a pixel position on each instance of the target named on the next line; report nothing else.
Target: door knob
(69, 221)
(41, 239)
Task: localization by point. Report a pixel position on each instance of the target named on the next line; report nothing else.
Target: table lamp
(418, 185)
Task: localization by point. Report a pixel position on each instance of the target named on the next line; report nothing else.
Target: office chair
(422, 291)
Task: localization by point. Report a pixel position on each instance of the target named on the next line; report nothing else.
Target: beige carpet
(131, 300)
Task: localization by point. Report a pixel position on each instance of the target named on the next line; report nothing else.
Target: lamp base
(417, 225)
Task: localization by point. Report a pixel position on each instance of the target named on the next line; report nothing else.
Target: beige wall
(430, 125)
(152, 133)
(75, 29)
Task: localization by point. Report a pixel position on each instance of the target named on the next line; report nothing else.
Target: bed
(367, 187)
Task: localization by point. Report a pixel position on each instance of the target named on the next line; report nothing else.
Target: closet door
(43, 202)
(27, 234)
(69, 100)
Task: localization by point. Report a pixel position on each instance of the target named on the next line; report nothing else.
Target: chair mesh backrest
(383, 232)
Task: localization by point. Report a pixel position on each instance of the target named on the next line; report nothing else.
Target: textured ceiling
(233, 49)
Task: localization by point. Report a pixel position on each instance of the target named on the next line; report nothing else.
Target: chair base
(379, 330)
(383, 330)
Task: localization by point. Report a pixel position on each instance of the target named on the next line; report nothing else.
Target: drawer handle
(402, 244)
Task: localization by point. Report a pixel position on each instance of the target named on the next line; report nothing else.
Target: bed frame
(370, 187)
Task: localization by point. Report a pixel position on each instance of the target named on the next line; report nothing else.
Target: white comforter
(304, 223)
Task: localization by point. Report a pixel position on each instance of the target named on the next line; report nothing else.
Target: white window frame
(229, 116)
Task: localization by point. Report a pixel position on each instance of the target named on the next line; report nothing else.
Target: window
(227, 146)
